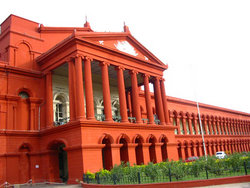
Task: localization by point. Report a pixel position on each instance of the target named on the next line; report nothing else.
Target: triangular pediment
(125, 44)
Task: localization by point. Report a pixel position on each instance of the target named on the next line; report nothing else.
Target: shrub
(196, 167)
(131, 172)
(164, 167)
(178, 169)
(117, 172)
(235, 162)
(103, 173)
(151, 171)
(90, 175)
(215, 166)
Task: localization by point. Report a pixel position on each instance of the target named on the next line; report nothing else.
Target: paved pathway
(42, 185)
(233, 185)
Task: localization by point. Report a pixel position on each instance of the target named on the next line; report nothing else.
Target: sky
(206, 43)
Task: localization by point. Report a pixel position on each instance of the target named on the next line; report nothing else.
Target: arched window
(207, 127)
(23, 95)
(212, 127)
(107, 153)
(181, 126)
(61, 115)
(198, 126)
(193, 128)
(187, 127)
(175, 124)
(203, 127)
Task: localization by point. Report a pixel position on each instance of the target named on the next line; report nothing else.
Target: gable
(125, 44)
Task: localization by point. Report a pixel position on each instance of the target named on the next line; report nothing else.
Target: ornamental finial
(86, 22)
(125, 28)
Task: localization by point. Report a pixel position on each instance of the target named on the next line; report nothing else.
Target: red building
(73, 100)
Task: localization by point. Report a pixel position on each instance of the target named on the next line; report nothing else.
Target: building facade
(73, 100)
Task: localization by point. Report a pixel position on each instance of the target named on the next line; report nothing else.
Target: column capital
(87, 58)
(102, 63)
(162, 79)
(48, 73)
(133, 72)
(78, 55)
(145, 75)
(119, 67)
(156, 78)
(70, 59)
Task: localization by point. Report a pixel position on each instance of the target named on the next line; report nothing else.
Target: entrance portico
(117, 70)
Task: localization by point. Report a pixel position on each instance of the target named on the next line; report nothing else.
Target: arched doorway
(138, 150)
(63, 163)
(192, 148)
(164, 152)
(202, 149)
(124, 150)
(186, 150)
(197, 148)
(179, 151)
(58, 162)
(107, 154)
(152, 153)
(24, 163)
(207, 148)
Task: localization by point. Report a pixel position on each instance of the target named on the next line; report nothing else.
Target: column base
(91, 119)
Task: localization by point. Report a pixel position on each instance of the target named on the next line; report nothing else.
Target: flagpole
(199, 115)
(202, 133)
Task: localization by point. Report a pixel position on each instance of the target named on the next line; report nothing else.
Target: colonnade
(195, 148)
(188, 124)
(76, 93)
